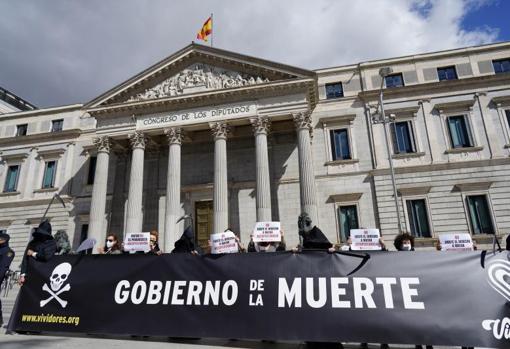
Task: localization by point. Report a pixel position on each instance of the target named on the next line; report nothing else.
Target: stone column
(220, 196)
(307, 190)
(173, 187)
(134, 205)
(98, 201)
(261, 126)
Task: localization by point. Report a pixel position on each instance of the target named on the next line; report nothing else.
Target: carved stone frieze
(198, 77)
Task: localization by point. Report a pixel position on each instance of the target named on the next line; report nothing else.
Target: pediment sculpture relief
(195, 78)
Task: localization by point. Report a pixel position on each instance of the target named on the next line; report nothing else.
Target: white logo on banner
(59, 275)
(498, 273)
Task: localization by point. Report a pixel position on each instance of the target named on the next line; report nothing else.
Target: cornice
(441, 166)
(437, 87)
(215, 96)
(41, 137)
(42, 111)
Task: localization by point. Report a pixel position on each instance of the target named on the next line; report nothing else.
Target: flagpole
(212, 30)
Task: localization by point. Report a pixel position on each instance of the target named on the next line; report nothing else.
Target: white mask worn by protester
(109, 244)
(406, 247)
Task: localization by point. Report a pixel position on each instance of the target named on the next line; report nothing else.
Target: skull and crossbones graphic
(59, 275)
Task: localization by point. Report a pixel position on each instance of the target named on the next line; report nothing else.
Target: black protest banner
(396, 297)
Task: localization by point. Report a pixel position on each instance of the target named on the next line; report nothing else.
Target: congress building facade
(232, 140)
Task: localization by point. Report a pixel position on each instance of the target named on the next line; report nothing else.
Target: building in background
(233, 139)
(9, 102)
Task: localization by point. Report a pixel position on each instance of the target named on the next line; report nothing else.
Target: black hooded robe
(42, 243)
(315, 239)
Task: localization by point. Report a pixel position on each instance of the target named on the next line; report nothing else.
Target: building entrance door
(203, 223)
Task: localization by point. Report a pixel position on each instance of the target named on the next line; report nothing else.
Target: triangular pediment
(198, 69)
(198, 77)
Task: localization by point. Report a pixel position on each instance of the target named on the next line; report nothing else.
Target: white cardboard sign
(365, 239)
(266, 232)
(456, 242)
(224, 243)
(137, 242)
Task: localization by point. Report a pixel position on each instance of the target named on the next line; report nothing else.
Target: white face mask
(109, 244)
(406, 247)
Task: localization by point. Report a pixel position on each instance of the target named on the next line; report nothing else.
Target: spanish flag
(206, 30)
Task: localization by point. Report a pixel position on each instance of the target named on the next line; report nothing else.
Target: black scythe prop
(51, 202)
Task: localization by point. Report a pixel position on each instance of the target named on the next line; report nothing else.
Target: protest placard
(224, 243)
(266, 232)
(365, 239)
(137, 242)
(456, 242)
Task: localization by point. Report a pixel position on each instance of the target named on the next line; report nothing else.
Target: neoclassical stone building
(232, 140)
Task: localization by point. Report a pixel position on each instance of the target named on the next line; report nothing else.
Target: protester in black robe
(42, 247)
(6, 257)
(186, 244)
(313, 237)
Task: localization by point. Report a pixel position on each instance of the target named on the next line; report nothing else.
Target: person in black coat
(312, 236)
(186, 243)
(42, 247)
(6, 257)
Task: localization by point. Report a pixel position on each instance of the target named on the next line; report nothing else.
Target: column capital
(174, 135)
(261, 124)
(137, 140)
(103, 144)
(219, 129)
(303, 121)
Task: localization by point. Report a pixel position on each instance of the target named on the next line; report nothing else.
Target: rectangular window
(21, 130)
(394, 80)
(56, 125)
(92, 170)
(334, 90)
(348, 218)
(418, 218)
(501, 65)
(49, 174)
(340, 148)
(479, 214)
(403, 137)
(460, 136)
(507, 112)
(11, 180)
(447, 73)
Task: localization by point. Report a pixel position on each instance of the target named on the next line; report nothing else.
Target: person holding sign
(366, 240)
(267, 237)
(112, 245)
(226, 242)
(455, 242)
(154, 243)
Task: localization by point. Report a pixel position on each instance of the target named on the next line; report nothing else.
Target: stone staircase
(8, 302)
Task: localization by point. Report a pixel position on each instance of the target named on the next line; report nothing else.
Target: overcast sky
(58, 52)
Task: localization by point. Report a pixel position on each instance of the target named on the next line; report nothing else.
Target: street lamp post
(382, 119)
